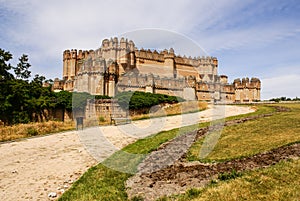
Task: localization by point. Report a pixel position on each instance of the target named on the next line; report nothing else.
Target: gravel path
(30, 169)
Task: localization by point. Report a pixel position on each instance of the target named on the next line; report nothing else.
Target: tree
(22, 69)
(4, 66)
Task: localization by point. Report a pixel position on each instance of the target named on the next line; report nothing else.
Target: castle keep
(119, 66)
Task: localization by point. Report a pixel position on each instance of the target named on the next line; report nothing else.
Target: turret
(131, 45)
(245, 81)
(105, 43)
(66, 61)
(237, 82)
(255, 83)
(223, 79)
(72, 65)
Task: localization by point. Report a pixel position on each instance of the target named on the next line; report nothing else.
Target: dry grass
(253, 136)
(33, 129)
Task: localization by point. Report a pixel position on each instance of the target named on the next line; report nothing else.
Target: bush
(32, 132)
(102, 97)
(101, 119)
(141, 100)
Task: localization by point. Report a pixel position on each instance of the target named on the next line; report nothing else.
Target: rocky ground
(165, 172)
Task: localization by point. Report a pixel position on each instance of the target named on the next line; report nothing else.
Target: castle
(119, 66)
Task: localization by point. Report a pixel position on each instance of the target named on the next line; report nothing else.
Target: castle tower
(66, 64)
(169, 61)
(256, 85)
(69, 64)
(238, 90)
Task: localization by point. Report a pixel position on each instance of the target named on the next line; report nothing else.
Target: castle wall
(120, 66)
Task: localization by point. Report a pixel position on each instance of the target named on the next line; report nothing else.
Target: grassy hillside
(103, 183)
(254, 136)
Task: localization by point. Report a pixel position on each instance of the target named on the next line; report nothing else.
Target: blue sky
(250, 38)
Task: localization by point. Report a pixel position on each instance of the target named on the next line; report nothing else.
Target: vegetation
(102, 175)
(104, 183)
(33, 129)
(21, 100)
(231, 175)
(144, 101)
(278, 182)
(284, 99)
(253, 136)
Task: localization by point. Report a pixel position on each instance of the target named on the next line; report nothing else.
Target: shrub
(32, 132)
(101, 119)
(230, 175)
(141, 100)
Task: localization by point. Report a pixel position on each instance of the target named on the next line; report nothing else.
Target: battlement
(73, 54)
(246, 83)
(113, 43)
(170, 54)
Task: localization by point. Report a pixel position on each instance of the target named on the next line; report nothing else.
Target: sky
(250, 38)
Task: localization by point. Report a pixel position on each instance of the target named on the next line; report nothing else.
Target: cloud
(281, 86)
(250, 30)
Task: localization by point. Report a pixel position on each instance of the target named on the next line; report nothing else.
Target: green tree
(22, 69)
(5, 67)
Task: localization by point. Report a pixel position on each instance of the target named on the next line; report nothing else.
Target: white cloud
(46, 28)
(285, 85)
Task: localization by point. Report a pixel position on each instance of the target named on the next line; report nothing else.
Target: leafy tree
(63, 100)
(22, 69)
(22, 101)
(4, 66)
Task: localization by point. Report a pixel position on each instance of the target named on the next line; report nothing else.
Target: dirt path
(31, 169)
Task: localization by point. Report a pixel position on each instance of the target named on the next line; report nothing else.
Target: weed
(229, 175)
(137, 198)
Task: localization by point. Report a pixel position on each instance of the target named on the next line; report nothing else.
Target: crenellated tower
(247, 90)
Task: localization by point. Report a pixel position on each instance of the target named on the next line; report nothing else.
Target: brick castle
(119, 66)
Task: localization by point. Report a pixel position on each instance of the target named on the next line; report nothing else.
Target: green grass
(104, 183)
(253, 136)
